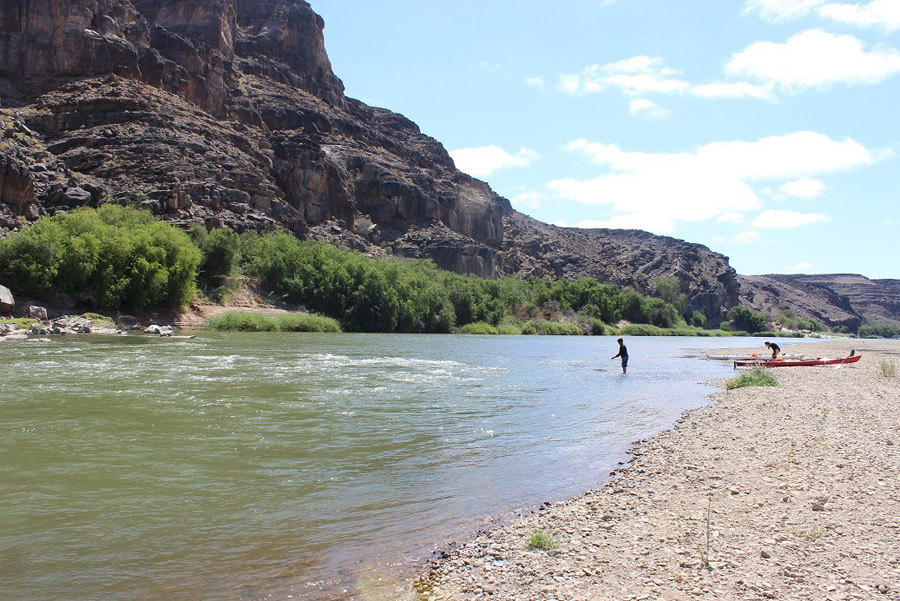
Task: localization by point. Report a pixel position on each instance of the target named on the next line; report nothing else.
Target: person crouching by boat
(623, 353)
(774, 348)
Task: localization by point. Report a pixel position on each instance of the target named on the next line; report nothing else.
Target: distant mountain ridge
(227, 113)
(847, 300)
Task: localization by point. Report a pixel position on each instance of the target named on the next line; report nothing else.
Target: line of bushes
(404, 295)
(119, 258)
(879, 330)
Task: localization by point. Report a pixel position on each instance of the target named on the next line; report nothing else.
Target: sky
(767, 130)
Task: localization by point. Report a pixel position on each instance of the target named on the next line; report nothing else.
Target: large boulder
(16, 182)
(7, 302)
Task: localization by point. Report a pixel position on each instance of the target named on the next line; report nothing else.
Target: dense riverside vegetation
(112, 258)
(121, 259)
(402, 295)
(879, 330)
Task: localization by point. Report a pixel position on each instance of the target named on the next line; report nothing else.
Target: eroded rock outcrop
(227, 113)
(622, 257)
(834, 300)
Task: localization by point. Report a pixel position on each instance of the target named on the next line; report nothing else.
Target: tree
(742, 318)
(669, 289)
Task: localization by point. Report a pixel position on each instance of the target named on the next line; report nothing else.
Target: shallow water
(251, 466)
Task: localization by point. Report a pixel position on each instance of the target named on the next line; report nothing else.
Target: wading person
(623, 353)
(774, 348)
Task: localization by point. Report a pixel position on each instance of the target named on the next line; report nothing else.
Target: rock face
(835, 300)
(622, 257)
(227, 113)
(7, 302)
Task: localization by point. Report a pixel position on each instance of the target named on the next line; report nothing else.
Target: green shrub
(669, 290)
(888, 368)
(878, 330)
(755, 376)
(697, 319)
(118, 257)
(236, 321)
(634, 307)
(661, 313)
(529, 329)
(478, 327)
(792, 321)
(742, 318)
(598, 328)
(542, 539)
(640, 329)
(305, 322)
(220, 250)
(558, 328)
(509, 330)
(242, 322)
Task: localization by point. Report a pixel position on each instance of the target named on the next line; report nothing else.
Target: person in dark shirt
(623, 353)
(774, 348)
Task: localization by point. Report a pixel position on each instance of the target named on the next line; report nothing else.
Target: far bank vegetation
(119, 259)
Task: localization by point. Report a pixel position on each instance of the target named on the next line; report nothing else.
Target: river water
(304, 466)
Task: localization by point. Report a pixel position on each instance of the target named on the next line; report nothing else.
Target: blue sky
(767, 130)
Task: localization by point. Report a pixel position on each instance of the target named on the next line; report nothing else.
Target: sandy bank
(800, 486)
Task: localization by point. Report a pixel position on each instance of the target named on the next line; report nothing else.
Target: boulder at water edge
(7, 302)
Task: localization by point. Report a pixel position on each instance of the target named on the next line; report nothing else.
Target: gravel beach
(791, 492)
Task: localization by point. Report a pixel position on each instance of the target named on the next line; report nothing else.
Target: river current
(305, 466)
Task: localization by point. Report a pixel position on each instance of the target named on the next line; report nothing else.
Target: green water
(276, 466)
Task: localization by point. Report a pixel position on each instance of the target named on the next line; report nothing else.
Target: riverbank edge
(427, 581)
(604, 537)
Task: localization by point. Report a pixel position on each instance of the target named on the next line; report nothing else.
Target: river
(304, 466)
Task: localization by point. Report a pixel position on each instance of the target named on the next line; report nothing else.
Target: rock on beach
(7, 301)
(767, 493)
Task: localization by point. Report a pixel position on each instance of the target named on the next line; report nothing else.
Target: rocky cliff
(839, 300)
(227, 113)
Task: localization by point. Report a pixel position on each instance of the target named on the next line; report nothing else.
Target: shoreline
(798, 484)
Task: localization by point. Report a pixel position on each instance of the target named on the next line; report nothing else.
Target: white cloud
(527, 200)
(883, 13)
(814, 59)
(634, 76)
(483, 161)
(788, 219)
(641, 107)
(805, 187)
(730, 217)
(748, 237)
(710, 182)
(781, 10)
(569, 84)
(642, 75)
(876, 13)
(537, 81)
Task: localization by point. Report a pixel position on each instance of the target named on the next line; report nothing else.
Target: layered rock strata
(837, 300)
(227, 113)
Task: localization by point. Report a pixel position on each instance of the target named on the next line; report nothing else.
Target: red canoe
(797, 362)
